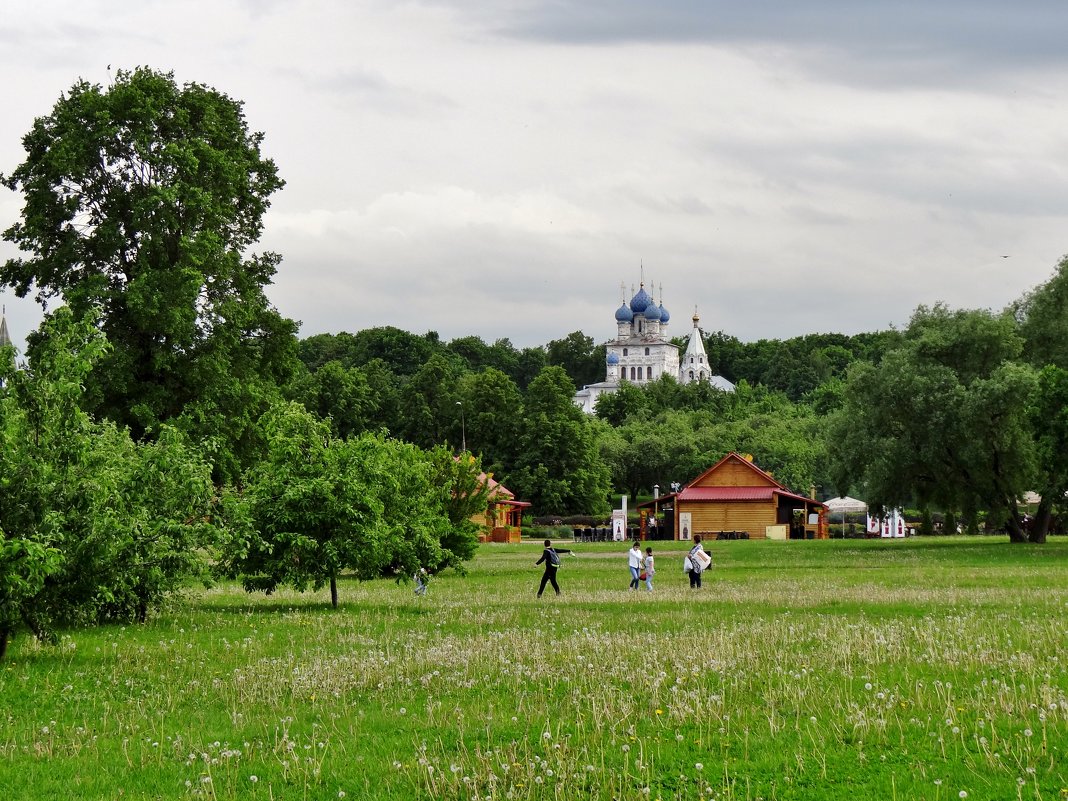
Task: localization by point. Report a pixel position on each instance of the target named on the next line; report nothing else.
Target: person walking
(648, 569)
(551, 557)
(421, 579)
(634, 561)
(694, 563)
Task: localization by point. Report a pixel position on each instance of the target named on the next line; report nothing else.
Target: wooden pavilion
(503, 520)
(735, 499)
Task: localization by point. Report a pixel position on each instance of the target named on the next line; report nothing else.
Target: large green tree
(492, 411)
(335, 393)
(141, 200)
(943, 420)
(559, 467)
(580, 358)
(1043, 316)
(95, 526)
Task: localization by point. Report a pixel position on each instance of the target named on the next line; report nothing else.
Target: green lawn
(920, 669)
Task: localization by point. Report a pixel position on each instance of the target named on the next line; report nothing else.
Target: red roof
(740, 494)
(727, 494)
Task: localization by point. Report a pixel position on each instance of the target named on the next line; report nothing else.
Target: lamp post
(463, 427)
(656, 506)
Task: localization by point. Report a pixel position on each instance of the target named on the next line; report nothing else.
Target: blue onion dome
(652, 312)
(613, 358)
(641, 301)
(624, 314)
(664, 316)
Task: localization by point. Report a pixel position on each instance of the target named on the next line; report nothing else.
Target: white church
(642, 351)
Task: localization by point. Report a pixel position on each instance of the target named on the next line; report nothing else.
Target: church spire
(5, 338)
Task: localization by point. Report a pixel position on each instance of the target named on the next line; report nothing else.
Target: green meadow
(919, 669)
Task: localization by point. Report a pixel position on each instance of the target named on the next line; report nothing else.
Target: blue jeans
(634, 580)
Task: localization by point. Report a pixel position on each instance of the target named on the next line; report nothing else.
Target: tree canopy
(944, 419)
(95, 525)
(320, 505)
(141, 200)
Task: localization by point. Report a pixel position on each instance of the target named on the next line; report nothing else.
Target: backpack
(554, 558)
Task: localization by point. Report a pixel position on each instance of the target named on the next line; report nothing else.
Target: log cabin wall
(713, 517)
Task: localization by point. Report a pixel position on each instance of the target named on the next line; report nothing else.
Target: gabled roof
(760, 478)
(740, 494)
(496, 490)
(762, 488)
(727, 494)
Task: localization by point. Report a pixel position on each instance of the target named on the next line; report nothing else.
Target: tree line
(170, 425)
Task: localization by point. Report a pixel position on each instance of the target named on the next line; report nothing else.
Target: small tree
(320, 505)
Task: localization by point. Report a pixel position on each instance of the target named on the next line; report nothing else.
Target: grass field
(920, 669)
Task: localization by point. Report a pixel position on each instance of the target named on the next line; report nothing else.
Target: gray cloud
(900, 42)
(499, 168)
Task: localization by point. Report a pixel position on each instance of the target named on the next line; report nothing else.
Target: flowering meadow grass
(919, 669)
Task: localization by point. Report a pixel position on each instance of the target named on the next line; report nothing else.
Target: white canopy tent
(845, 506)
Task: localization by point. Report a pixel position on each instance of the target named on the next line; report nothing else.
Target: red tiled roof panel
(727, 494)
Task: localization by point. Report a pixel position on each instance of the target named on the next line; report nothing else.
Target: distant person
(421, 579)
(634, 561)
(551, 557)
(648, 569)
(694, 564)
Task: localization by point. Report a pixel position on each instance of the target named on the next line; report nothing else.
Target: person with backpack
(551, 557)
(696, 561)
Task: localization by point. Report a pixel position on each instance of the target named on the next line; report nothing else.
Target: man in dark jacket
(550, 556)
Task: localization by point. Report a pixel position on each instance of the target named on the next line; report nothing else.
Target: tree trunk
(1040, 525)
(1017, 533)
(5, 635)
(333, 591)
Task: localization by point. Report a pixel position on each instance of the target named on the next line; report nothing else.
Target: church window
(691, 372)
(649, 371)
(691, 360)
(631, 373)
(647, 351)
(624, 351)
(701, 359)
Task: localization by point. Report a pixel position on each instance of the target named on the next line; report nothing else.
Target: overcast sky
(500, 168)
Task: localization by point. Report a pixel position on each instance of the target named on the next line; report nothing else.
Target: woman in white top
(647, 566)
(634, 560)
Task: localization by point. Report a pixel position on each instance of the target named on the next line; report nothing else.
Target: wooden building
(503, 520)
(735, 499)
